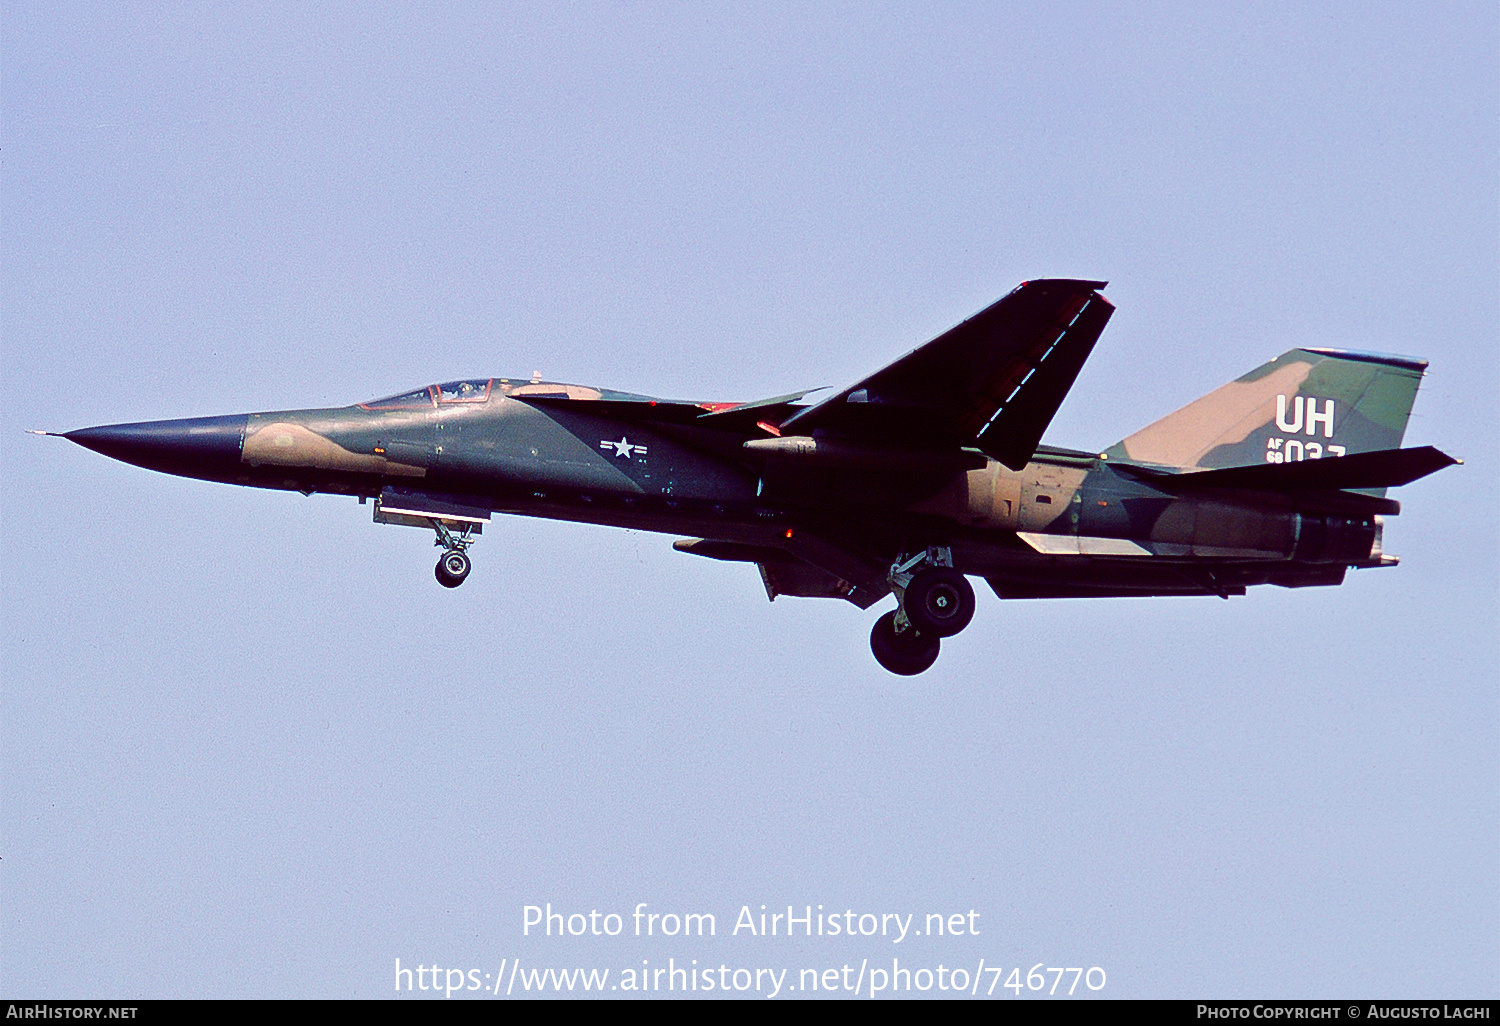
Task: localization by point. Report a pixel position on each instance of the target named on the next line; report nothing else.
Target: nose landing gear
(934, 600)
(457, 520)
(454, 566)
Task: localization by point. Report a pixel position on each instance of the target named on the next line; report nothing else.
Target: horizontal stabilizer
(1386, 468)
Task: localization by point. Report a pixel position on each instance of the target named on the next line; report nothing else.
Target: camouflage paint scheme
(938, 451)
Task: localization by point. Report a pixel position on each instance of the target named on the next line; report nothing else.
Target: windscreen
(421, 397)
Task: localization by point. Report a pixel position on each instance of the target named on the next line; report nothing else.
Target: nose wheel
(454, 566)
(452, 569)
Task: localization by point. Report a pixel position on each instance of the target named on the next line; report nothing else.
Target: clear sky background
(251, 748)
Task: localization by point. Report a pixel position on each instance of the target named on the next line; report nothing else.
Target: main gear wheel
(939, 601)
(908, 652)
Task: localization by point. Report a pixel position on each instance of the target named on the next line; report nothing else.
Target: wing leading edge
(993, 382)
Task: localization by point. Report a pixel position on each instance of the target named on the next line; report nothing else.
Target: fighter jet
(904, 484)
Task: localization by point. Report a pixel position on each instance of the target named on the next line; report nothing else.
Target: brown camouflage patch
(291, 445)
(989, 496)
(1225, 416)
(546, 388)
(1046, 494)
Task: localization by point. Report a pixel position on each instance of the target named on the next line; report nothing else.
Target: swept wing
(993, 382)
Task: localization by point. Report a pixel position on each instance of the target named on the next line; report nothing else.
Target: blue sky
(250, 748)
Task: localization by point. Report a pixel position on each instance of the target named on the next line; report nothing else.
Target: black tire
(939, 600)
(452, 569)
(907, 653)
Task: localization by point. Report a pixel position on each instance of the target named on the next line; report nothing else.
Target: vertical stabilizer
(1305, 404)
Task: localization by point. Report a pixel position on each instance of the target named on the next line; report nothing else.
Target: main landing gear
(907, 652)
(934, 600)
(454, 567)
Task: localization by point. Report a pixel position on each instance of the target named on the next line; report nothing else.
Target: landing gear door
(409, 507)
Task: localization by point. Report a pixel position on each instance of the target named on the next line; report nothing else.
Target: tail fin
(1305, 404)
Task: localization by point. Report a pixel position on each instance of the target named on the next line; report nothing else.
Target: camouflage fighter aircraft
(902, 484)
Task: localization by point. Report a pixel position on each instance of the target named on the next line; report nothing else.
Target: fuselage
(1065, 521)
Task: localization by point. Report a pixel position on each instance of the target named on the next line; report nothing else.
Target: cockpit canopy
(463, 391)
(474, 390)
(481, 390)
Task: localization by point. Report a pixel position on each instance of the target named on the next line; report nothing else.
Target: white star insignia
(623, 447)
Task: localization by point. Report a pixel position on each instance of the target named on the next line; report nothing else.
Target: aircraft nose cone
(195, 447)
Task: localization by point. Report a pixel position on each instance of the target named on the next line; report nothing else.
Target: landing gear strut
(454, 567)
(934, 600)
